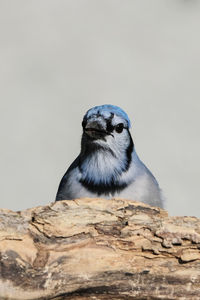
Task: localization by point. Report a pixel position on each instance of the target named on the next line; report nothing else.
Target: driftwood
(98, 249)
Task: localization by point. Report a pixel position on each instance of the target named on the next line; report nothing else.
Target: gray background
(59, 58)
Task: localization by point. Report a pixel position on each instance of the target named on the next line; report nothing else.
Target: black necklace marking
(102, 188)
(129, 151)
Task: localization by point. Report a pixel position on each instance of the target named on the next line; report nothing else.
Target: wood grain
(98, 249)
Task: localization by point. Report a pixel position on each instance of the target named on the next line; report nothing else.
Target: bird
(108, 165)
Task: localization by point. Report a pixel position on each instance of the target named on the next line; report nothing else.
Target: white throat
(103, 167)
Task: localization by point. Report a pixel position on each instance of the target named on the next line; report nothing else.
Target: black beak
(95, 130)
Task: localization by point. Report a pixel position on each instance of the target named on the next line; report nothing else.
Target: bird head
(106, 127)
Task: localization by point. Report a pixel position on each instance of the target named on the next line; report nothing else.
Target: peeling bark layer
(98, 249)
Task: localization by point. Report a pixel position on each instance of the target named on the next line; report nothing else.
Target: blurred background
(58, 58)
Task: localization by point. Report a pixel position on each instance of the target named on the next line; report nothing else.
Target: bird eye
(119, 127)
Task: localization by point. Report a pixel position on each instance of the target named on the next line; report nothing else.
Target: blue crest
(106, 110)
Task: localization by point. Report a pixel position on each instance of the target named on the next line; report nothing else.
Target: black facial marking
(109, 126)
(84, 123)
(129, 151)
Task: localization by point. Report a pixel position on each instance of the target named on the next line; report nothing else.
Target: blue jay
(108, 165)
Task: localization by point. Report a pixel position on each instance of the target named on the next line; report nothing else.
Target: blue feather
(106, 110)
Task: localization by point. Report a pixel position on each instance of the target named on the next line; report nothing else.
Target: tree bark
(98, 249)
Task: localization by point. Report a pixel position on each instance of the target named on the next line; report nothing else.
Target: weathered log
(98, 249)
